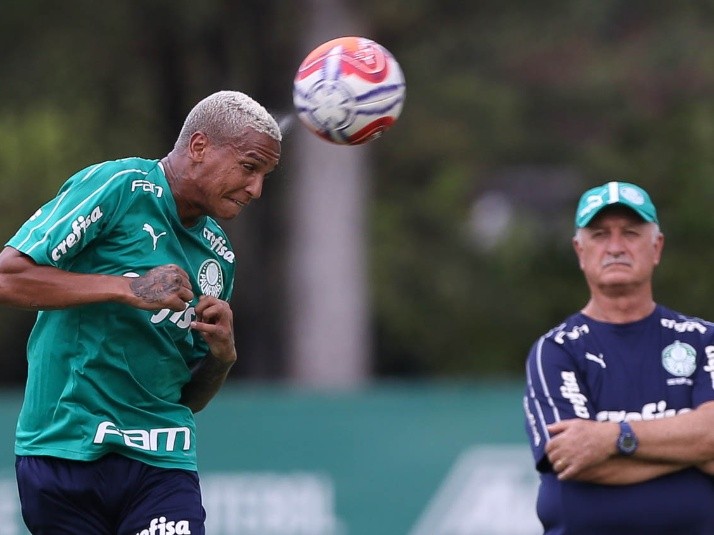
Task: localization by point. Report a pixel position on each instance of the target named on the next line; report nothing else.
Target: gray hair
(223, 116)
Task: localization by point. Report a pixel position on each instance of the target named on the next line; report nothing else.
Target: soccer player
(621, 361)
(131, 274)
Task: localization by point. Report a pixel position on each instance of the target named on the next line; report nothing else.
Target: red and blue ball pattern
(349, 90)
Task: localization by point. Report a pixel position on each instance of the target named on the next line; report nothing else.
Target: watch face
(628, 443)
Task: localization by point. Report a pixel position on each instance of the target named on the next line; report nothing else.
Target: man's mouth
(608, 263)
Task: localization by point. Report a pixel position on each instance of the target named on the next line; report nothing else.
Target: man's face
(618, 249)
(231, 176)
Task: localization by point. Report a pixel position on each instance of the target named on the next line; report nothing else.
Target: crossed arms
(585, 450)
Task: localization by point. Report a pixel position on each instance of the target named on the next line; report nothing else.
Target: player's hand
(576, 445)
(214, 320)
(165, 286)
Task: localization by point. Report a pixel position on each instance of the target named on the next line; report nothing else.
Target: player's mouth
(239, 203)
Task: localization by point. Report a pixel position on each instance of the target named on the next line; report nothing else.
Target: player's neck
(187, 212)
(619, 308)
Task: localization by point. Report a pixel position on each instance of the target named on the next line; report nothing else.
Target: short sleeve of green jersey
(67, 224)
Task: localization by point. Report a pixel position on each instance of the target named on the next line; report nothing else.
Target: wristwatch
(627, 440)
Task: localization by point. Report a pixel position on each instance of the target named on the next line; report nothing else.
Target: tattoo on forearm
(156, 285)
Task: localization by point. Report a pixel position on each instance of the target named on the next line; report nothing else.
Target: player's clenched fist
(165, 286)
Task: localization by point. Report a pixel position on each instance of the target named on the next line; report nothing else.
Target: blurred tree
(529, 103)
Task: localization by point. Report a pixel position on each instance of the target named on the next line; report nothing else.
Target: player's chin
(229, 209)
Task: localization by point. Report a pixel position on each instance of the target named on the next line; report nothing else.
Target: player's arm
(214, 320)
(28, 285)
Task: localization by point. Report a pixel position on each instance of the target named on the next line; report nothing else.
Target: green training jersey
(108, 377)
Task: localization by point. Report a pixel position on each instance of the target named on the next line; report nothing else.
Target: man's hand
(579, 444)
(214, 320)
(28, 285)
(165, 286)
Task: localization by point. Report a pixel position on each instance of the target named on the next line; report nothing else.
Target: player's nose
(255, 186)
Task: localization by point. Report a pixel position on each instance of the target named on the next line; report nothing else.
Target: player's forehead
(258, 146)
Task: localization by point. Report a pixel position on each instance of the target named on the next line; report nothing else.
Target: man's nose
(615, 244)
(255, 186)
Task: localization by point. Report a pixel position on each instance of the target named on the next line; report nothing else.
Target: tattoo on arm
(156, 285)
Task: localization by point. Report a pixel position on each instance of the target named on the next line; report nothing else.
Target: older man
(621, 361)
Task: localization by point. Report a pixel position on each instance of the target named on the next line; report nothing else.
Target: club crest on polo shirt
(210, 278)
(679, 359)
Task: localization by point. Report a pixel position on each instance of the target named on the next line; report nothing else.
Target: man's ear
(659, 246)
(197, 146)
(577, 248)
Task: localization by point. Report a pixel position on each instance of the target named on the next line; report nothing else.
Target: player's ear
(197, 146)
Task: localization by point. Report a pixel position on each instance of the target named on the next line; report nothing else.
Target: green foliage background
(530, 101)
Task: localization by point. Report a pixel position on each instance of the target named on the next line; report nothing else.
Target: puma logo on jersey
(155, 237)
(596, 358)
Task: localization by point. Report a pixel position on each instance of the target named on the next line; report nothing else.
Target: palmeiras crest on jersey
(679, 359)
(210, 278)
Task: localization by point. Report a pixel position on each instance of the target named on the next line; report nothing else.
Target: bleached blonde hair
(224, 115)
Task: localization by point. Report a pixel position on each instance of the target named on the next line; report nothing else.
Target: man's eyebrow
(256, 156)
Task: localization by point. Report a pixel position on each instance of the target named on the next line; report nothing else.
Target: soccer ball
(349, 90)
